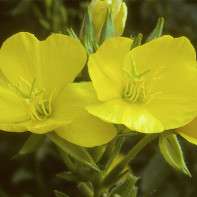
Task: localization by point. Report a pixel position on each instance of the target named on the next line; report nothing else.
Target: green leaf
(60, 194)
(31, 144)
(77, 152)
(157, 32)
(68, 176)
(108, 27)
(171, 150)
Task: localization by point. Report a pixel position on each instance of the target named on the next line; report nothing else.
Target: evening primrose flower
(149, 89)
(37, 93)
(99, 10)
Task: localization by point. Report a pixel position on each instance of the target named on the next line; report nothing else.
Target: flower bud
(99, 10)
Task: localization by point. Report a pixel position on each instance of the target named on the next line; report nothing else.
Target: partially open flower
(99, 10)
(37, 93)
(149, 89)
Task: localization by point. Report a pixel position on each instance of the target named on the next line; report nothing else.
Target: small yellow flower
(149, 89)
(37, 93)
(99, 10)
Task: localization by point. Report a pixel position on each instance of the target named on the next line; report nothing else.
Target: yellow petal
(12, 108)
(105, 68)
(13, 127)
(189, 131)
(161, 54)
(54, 62)
(174, 92)
(44, 126)
(175, 101)
(98, 13)
(39, 127)
(134, 116)
(120, 20)
(84, 129)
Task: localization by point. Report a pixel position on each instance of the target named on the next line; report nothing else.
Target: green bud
(108, 27)
(171, 150)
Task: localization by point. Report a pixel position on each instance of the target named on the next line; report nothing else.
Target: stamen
(50, 102)
(38, 107)
(134, 90)
(143, 73)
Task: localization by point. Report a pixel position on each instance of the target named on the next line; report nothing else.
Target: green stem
(132, 153)
(108, 152)
(114, 153)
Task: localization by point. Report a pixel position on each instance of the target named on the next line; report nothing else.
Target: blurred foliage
(34, 175)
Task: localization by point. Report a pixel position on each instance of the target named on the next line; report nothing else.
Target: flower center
(38, 106)
(134, 90)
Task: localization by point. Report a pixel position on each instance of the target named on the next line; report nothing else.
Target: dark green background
(34, 175)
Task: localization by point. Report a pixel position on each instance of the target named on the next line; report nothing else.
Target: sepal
(171, 150)
(31, 145)
(137, 41)
(108, 27)
(72, 33)
(87, 33)
(157, 32)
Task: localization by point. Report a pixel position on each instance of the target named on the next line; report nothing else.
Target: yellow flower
(148, 89)
(37, 93)
(99, 10)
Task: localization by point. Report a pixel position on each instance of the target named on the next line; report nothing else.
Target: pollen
(38, 106)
